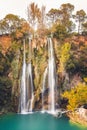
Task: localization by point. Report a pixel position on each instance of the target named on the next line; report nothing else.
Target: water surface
(36, 121)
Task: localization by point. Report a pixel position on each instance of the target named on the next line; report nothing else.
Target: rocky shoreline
(79, 117)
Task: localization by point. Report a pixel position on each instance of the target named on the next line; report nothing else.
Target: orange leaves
(5, 42)
(19, 34)
(22, 30)
(25, 27)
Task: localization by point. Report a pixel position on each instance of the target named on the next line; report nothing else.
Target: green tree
(66, 14)
(62, 18)
(60, 32)
(53, 15)
(80, 17)
(84, 26)
(77, 62)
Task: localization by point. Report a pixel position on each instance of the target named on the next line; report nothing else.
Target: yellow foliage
(85, 79)
(64, 56)
(76, 96)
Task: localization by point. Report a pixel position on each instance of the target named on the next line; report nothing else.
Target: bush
(76, 96)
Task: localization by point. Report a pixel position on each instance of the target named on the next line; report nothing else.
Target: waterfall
(23, 101)
(27, 96)
(44, 87)
(27, 88)
(51, 77)
(30, 79)
(30, 87)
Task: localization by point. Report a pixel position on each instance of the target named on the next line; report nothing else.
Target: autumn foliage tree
(22, 31)
(34, 15)
(76, 96)
(42, 28)
(15, 26)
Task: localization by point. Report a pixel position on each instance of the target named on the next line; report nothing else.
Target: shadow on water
(36, 121)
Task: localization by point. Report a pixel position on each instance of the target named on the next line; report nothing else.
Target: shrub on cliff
(76, 96)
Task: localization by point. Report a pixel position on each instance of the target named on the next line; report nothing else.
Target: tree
(84, 25)
(62, 16)
(80, 17)
(66, 14)
(3, 27)
(76, 96)
(15, 26)
(77, 62)
(12, 21)
(22, 31)
(53, 15)
(34, 14)
(43, 14)
(42, 29)
(5, 82)
(60, 32)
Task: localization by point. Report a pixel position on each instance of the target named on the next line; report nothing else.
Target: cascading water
(49, 80)
(26, 96)
(51, 77)
(30, 87)
(43, 88)
(30, 80)
(23, 102)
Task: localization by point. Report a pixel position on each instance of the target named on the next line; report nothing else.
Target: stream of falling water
(51, 77)
(44, 88)
(26, 96)
(27, 88)
(23, 108)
